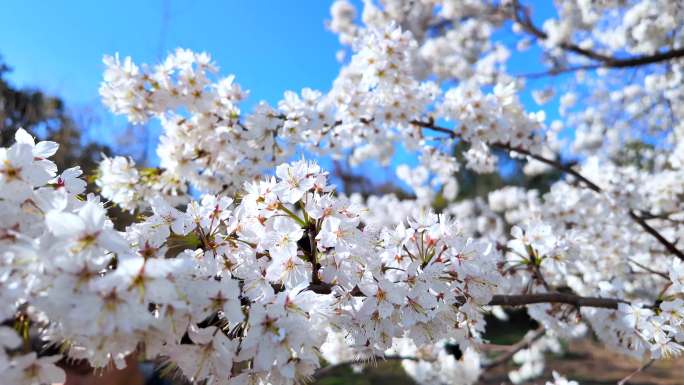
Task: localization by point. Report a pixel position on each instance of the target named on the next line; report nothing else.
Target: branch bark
(570, 299)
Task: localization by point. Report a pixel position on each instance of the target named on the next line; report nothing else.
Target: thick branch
(570, 299)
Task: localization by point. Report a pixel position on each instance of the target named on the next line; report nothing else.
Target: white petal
(22, 136)
(64, 224)
(45, 149)
(112, 241)
(93, 216)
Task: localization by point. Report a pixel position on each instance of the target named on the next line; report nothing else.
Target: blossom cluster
(245, 267)
(230, 291)
(204, 141)
(267, 281)
(123, 184)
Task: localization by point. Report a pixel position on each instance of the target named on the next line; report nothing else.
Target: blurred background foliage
(46, 117)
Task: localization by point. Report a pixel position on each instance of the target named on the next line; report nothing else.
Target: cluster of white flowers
(204, 141)
(123, 184)
(254, 288)
(375, 102)
(531, 360)
(437, 365)
(497, 118)
(462, 40)
(242, 268)
(560, 380)
(598, 256)
(640, 26)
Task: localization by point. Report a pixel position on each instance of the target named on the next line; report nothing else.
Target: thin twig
(322, 372)
(520, 345)
(634, 373)
(648, 269)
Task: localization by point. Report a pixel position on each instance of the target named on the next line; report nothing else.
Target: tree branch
(637, 371)
(510, 300)
(518, 346)
(521, 15)
(570, 299)
(669, 246)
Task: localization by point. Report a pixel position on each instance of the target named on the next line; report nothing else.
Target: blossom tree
(248, 267)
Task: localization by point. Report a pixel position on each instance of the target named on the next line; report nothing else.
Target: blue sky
(271, 46)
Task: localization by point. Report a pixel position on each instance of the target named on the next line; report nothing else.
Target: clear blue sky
(271, 46)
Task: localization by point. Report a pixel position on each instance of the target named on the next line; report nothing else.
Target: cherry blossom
(245, 264)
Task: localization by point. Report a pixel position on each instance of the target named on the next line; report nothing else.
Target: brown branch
(521, 15)
(570, 299)
(637, 371)
(510, 300)
(670, 246)
(648, 269)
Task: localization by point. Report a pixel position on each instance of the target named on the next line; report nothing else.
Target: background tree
(46, 117)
